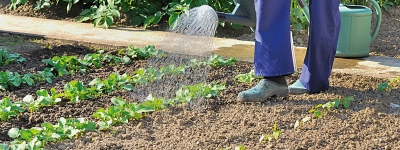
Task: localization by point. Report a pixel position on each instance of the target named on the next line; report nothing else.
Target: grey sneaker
(297, 88)
(262, 91)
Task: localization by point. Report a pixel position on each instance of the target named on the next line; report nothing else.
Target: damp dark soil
(218, 122)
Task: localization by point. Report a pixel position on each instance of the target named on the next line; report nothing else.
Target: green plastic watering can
(355, 33)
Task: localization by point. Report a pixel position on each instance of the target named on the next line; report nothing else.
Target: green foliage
(9, 109)
(297, 18)
(14, 79)
(112, 83)
(143, 52)
(76, 91)
(269, 137)
(149, 12)
(386, 86)
(216, 60)
(7, 57)
(246, 78)
(43, 99)
(321, 109)
(36, 137)
(103, 14)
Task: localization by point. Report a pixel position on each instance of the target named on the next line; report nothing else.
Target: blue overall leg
(273, 55)
(324, 33)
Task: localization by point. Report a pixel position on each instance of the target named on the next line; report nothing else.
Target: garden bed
(212, 123)
(217, 122)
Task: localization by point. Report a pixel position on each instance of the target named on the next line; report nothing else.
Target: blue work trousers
(273, 54)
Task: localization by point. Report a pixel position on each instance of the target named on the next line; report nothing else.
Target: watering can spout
(243, 14)
(237, 19)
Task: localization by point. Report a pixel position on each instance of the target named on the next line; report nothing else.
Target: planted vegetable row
(71, 64)
(121, 112)
(75, 91)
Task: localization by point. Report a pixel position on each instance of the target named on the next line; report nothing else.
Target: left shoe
(262, 91)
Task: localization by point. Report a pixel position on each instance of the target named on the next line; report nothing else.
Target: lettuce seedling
(6, 57)
(9, 109)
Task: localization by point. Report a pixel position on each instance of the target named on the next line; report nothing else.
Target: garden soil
(218, 122)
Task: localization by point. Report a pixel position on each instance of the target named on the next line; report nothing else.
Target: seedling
(384, 87)
(268, 137)
(344, 101)
(322, 109)
(299, 124)
(9, 109)
(246, 78)
(76, 91)
(6, 58)
(216, 60)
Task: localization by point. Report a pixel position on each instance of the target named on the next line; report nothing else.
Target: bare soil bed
(218, 122)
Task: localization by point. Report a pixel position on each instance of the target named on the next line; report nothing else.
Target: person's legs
(273, 52)
(324, 33)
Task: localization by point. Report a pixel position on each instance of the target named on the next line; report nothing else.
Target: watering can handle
(378, 19)
(378, 10)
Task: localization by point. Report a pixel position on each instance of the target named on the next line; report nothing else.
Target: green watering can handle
(378, 10)
(378, 20)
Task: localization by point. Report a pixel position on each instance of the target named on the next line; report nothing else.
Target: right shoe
(297, 88)
(262, 91)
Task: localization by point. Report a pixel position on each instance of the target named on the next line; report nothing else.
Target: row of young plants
(65, 65)
(121, 112)
(75, 91)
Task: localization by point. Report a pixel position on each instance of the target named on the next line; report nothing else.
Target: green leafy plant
(246, 78)
(45, 75)
(269, 137)
(121, 112)
(299, 124)
(112, 83)
(321, 109)
(387, 85)
(76, 91)
(9, 109)
(7, 57)
(217, 60)
(14, 79)
(142, 52)
(102, 15)
(384, 87)
(37, 137)
(344, 101)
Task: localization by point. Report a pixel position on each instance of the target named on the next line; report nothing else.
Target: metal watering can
(355, 33)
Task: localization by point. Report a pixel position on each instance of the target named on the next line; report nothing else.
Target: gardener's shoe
(262, 91)
(297, 88)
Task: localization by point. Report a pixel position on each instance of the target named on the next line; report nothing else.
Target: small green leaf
(13, 133)
(26, 134)
(118, 101)
(3, 146)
